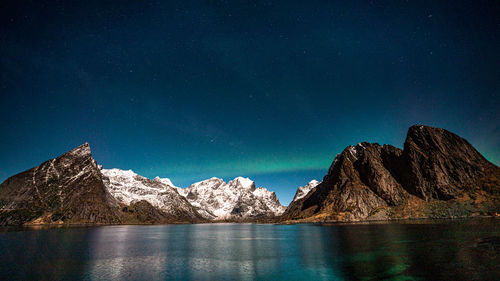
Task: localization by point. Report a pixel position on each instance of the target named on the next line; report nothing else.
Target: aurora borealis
(268, 90)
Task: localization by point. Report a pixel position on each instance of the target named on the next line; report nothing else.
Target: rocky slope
(66, 189)
(237, 199)
(438, 174)
(128, 188)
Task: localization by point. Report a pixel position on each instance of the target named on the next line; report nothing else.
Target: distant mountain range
(211, 199)
(437, 174)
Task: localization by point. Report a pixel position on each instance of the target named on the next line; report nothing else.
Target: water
(446, 250)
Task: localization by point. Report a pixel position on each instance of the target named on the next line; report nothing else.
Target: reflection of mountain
(459, 250)
(318, 249)
(44, 254)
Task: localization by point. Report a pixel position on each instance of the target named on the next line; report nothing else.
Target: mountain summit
(438, 174)
(237, 199)
(68, 188)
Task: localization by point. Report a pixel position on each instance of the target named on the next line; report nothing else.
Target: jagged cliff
(65, 189)
(437, 174)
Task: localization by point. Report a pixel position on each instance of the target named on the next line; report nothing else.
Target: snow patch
(304, 190)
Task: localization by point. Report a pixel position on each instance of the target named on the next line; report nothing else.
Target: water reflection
(437, 251)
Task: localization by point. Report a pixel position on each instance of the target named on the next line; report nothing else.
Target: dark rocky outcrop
(438, 164)
(435, 165)
(66, 189)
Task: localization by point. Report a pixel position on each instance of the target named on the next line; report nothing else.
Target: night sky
(271, 91)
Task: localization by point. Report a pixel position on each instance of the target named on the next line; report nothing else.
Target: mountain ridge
(436, 174)
(436, 169)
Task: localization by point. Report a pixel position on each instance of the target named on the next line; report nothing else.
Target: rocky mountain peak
(439, 164)
(68, 188)
(236, 199)
(80, 151)
(241, 182)
(435, 164)
(166, 181)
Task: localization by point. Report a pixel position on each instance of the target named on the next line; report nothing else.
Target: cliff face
(66, 189)
(434, 165)
(438, 164)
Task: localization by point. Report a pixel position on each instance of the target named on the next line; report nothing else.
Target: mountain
(74, 189)
(128, 187)
(437, 174)
(238, 199)
(303, 190)
(65, 189)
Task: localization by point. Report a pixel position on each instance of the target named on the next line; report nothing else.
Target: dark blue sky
(272, 90)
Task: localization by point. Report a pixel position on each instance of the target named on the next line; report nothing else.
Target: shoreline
(27, 227)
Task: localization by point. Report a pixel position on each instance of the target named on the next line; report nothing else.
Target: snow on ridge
(166, 181)
(213, 198)
(207, 181)
(272, 200)
(216, 199)
(304, 190)
(118, 173)
(128, 187)
(353, 151)
(242, 182)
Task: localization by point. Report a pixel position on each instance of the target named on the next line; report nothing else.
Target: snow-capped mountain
(128, 187)
(303, 190)
(216, 200)
(212, 199)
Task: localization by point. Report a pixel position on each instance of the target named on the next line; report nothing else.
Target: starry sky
(270, 90)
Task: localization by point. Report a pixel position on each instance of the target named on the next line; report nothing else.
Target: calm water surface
(446, 250)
